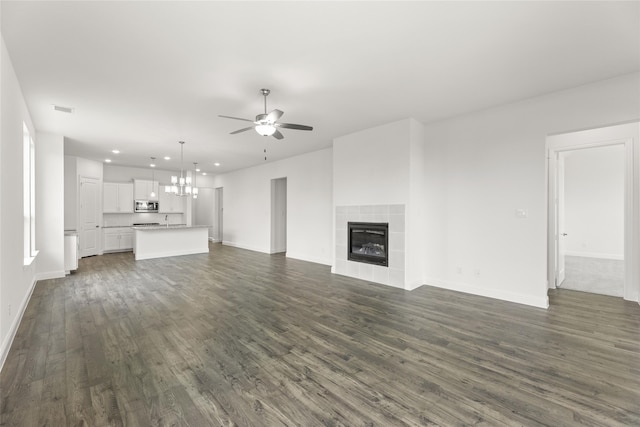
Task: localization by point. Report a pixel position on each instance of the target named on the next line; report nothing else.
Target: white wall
(114, 173)
(481, 167)
(247, 206)
(16, 280)
(50, 205)
(594, 202)
(371, 167)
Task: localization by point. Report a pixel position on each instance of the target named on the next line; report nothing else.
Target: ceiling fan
(267, 124)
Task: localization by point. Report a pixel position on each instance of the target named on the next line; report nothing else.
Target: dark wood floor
(235, 337)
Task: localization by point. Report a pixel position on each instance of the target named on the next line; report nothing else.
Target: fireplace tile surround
(394, 274)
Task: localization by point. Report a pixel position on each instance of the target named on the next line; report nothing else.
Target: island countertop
(164, 227)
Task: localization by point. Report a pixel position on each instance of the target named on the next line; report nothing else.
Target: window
(29, 196)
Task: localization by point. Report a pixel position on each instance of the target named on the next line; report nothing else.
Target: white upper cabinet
(117, 197)
(143, 188)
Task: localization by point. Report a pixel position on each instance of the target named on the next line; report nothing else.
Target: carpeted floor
(595, 275)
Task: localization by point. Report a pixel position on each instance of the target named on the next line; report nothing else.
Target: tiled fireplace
(394, 215)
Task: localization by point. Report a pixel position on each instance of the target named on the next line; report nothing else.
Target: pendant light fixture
(153, 194)
(194, 190)
(180, 185)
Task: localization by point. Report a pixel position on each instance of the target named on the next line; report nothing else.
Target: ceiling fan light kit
(267, 124)
(265, 129)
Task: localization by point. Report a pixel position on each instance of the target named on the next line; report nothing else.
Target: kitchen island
(164, 241)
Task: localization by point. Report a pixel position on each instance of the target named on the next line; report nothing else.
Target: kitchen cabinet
(117, 197)
(170, 203)
(142, 189)
(117, 239)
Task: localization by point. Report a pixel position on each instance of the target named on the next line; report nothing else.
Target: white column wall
(50, 205)
(379, 171)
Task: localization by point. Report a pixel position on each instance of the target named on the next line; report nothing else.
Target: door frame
(278, 235)
(218, 203)
(601, 137)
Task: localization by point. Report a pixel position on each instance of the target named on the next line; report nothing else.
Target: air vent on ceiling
(62, 109)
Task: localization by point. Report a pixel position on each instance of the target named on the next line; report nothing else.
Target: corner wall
(482, 167)
(247, 206)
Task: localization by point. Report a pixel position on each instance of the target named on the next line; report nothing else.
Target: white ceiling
(143, 75)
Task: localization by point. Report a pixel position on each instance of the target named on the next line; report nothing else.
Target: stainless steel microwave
(145, 206)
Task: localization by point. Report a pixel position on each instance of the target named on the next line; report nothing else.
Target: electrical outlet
(476, 272)
(459, 269)
(9, 310)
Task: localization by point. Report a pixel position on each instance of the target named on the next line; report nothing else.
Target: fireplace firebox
(369, 242)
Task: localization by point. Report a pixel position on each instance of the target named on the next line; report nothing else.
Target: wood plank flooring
(238, 338)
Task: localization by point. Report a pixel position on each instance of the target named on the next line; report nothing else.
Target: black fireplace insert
(369, 242)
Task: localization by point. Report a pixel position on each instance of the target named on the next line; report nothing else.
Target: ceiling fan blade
(294, 126)
(242, 130)
(274, 115)
(236, 118)
(278, 135)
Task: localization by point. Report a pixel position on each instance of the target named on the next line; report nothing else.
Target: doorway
(591, 220)
(278, 215)
(89, 216)
(218, 214)
(626, 136)
(204, 210)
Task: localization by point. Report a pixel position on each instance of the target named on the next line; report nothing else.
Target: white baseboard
(6, 344)
(617, 257)
(540, 302)
(303, 257)
(412, 287)
(249, 248)
(50, 275)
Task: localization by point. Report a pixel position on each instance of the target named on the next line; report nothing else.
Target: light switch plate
(521, 213)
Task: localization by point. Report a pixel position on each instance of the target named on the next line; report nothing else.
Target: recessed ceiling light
(216, 164)
(197, 170)
(167, 158)
(107, 160)
(115, 151)
(152, 165)
(62, 109)
(204, 173)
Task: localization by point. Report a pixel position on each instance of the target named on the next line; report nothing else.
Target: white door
(278, 215)
(90, 218)
(560, 223)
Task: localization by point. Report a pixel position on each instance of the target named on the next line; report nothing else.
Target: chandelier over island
(195, 176)
(181, 185)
